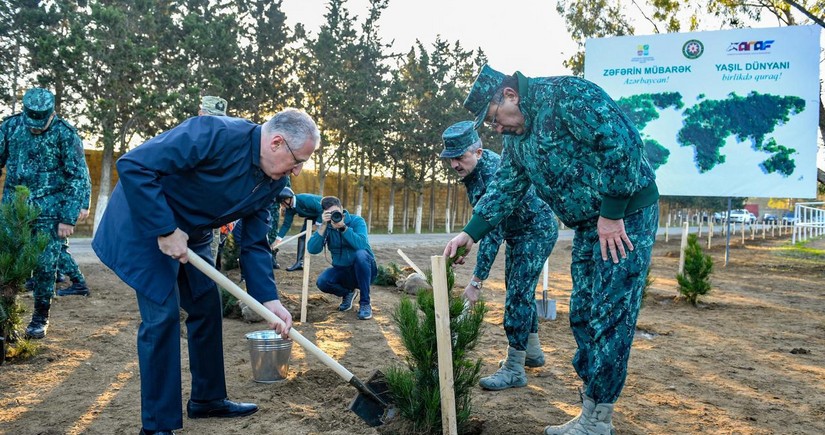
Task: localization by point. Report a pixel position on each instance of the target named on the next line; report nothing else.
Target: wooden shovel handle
(264, 312)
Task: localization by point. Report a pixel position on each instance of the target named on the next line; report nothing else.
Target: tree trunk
(369, 200)
(322, 176)
(405, 212)
(391, 213)
(359, 208)
(340, 176)
(106, 171)
(432, 202)
(419, 210)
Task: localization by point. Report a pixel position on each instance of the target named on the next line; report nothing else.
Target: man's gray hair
(472, 148)
(295, 125)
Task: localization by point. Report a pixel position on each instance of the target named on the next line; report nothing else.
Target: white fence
(809, 221)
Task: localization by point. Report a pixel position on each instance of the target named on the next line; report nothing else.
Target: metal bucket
(269, 355)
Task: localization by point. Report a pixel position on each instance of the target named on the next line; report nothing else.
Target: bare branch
(655, 28)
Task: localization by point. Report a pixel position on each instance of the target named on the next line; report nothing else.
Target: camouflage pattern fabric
(66, 264)
(531, 232)
(605, 303)
(579, 151)
(52, 166)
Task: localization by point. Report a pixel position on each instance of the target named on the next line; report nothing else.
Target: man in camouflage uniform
(567, 138)
(215, 106)
(65, 263)
(44, 153)
(275, 212)
(307, 206)
(530, 232)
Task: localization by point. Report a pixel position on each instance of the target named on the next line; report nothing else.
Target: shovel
(546, 309)
(372, 403)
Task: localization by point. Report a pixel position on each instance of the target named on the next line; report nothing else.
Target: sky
(525, 35)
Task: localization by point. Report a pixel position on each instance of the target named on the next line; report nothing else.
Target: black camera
(336, 216)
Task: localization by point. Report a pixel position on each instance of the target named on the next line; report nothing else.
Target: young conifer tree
(415, 386)
(695, 281)
(19, 252)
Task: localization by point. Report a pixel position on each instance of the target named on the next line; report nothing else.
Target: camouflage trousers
(605, 302)
(524, 260)
(66, 264)
(46, 268)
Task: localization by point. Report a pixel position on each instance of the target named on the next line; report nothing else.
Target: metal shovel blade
(373, 402)
(546, 308)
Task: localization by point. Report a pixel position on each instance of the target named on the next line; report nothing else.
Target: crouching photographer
(353, 263)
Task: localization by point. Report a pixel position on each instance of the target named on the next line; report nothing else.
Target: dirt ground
(748, 360)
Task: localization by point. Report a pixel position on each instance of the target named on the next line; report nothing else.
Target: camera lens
(336, 216)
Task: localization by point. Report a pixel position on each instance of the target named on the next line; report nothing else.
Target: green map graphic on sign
(707, 125)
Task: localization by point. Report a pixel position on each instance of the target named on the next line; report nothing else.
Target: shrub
(19, 252)
(231, 253)
(388, 274)
(695, 281)
(415, 386)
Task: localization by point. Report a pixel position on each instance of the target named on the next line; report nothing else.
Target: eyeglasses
(494, 123)
(297, 162)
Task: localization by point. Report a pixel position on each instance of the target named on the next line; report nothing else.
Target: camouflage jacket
(531, 218)
(580, 151)
(51, 165)
(307, 206)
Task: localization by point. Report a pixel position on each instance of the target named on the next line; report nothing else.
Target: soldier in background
(66, 264)
(215, 106)
(42, 151)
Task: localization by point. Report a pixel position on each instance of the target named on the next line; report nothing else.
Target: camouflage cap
(211, 105)
(38, 105)
(485, 86)
(457, 138)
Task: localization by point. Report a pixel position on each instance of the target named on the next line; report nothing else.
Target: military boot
(299, 261)
(588, 405)
(535, 356)
(596, 419)
(510, 375)
(76, 289)
(40, 321)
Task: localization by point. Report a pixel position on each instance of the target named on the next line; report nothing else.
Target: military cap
(38, 105)
(485, 86)
(213, 105)
(457, 138)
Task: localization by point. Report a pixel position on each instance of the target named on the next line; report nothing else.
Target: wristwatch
(476, 284)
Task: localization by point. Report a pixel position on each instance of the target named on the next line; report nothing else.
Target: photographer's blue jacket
(200, 175)
(342, 245)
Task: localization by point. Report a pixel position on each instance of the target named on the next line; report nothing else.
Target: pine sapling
(695, 281)
(415, 386)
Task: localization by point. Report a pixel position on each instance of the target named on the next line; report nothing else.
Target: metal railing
(809, 221)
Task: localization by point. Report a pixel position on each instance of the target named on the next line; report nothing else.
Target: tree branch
(806, 12)
(655, 28)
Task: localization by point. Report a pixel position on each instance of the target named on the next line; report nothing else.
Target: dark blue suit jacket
(200, 175)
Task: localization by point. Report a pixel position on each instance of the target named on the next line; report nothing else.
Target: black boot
(299, 262)
(40, 321)
(275, 264)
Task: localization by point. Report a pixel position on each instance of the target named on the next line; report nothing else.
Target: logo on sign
(746, 46)
(693, 49)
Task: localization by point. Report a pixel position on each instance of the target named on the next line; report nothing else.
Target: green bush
(415, 385)
(388, 274)
(19, 252)
(231, 254)
(695, 281)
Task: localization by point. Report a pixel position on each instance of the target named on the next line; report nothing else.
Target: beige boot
(535, 356)
(511, 374)
(596, 419)
(586, 414)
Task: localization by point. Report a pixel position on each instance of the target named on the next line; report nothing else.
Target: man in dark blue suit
(165, 202)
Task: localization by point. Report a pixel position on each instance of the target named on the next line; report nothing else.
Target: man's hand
(471, 293)
(84, 213)
(613, 238)
(64, 230)
(175, 246)
(462, 239)
(278, 309)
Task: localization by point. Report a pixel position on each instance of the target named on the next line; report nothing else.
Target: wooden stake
(449, 423)
(700, 229)
(667, 227)
(410, 263)
(743, 233)
(683, 248)
(307, 257)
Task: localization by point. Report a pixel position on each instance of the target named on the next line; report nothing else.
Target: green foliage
(19, 252)
(230, 304)
(695, 281)
(230, 256)
(388, 274)
(415, 386)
